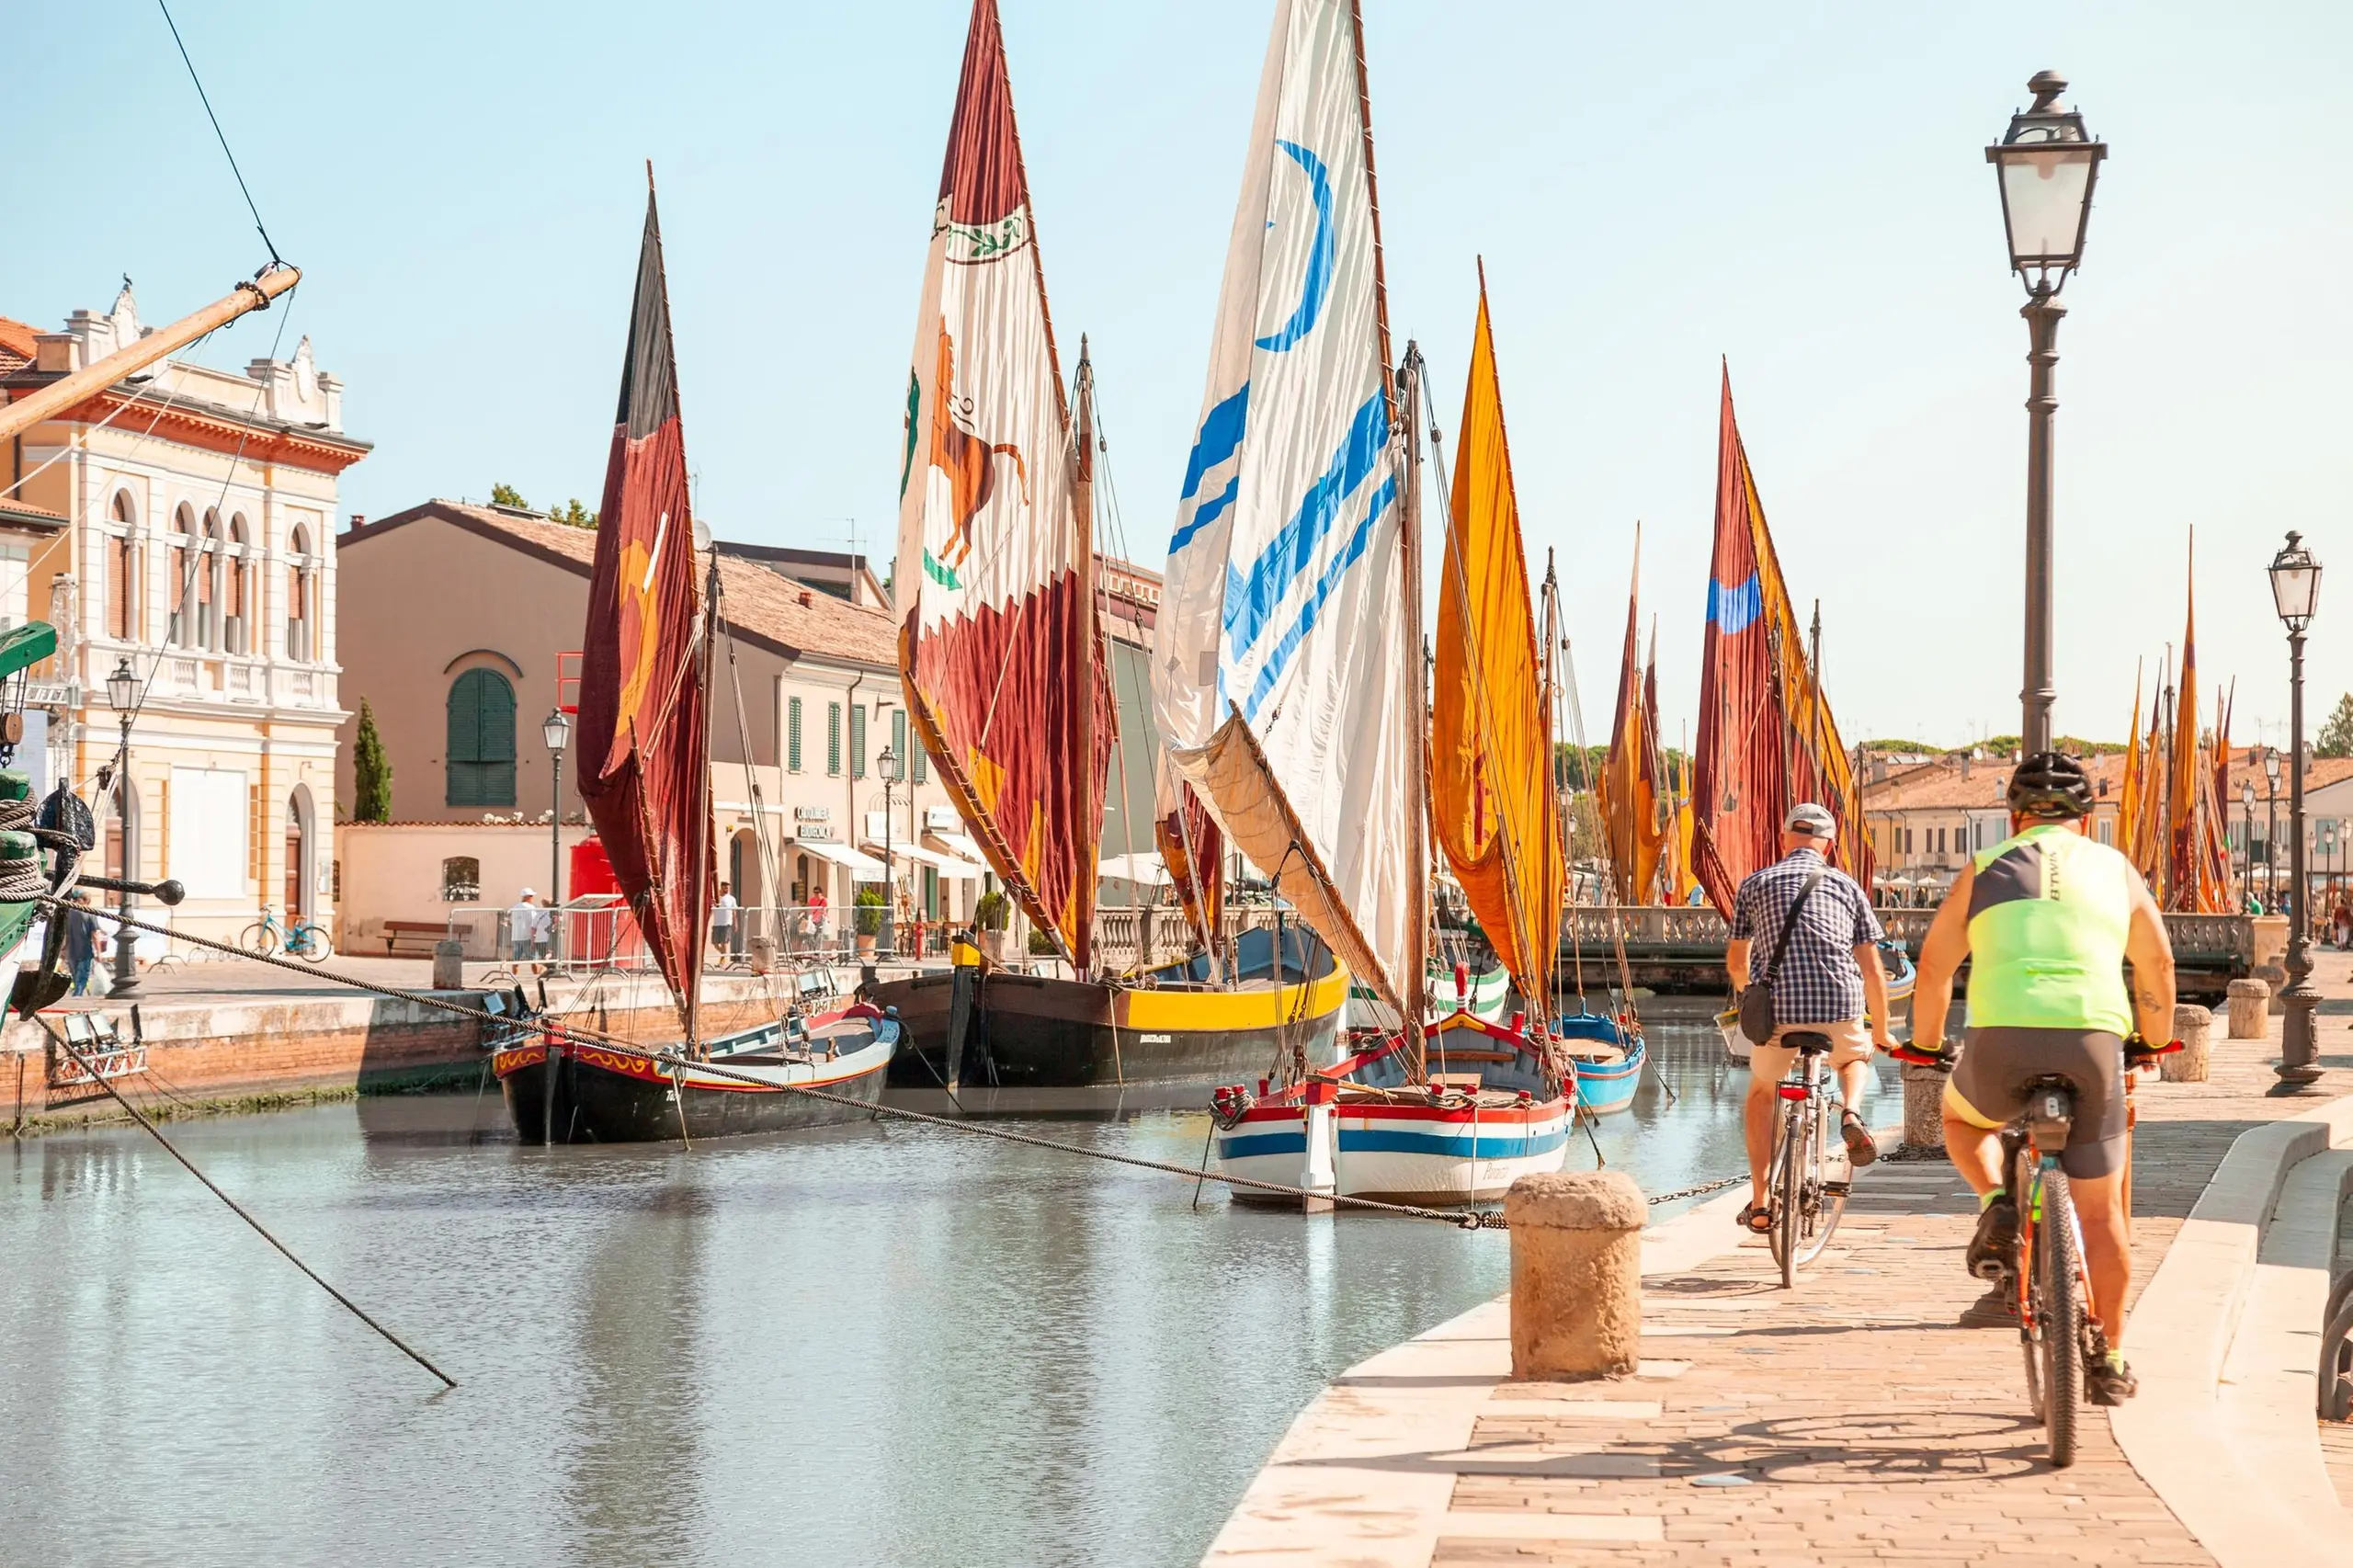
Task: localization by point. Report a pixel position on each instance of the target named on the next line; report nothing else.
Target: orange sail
(1629, 792)
(2182, 816)
(2128, 805)
(1490, 739)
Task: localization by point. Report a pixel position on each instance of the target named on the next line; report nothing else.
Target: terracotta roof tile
(16, 345)
(1938, 786)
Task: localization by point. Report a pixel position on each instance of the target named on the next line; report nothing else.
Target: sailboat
(1286, 670)
(646, 779)
(1002, 661)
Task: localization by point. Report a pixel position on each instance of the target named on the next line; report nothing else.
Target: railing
(2205, 940)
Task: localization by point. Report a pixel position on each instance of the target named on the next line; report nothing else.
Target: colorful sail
(1490, 735)
(1193, 848)
(2181, 782)
(2128, 803)
(998, 651)
(1282, 685)
(1766, 739)
(642, 703)
(1628, 789)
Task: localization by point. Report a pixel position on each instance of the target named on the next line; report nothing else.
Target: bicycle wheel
(308, 943)
(259, 937)
(1789, 1197)
(1824, 1207)
(2024, 1286)
(2062, 1326)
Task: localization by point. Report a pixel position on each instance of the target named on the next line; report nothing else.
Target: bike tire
(2062, 1333)
(2025, 1290)
(1822, 1214)
(1788, 1195)
(259, 939)
(308, 943)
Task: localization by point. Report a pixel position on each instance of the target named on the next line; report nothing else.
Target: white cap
(526, 893)
(1808, 818)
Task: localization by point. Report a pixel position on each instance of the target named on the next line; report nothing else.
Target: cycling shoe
(1996, 1238)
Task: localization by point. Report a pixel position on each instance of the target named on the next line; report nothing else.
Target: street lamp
(123, 696)
(2047, 165)
(2246, 832)
(556, 730)
(2295, 592)
(888, 763)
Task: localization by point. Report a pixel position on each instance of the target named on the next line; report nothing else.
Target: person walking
(722, 922)
(1823, 965)
(523, 926)
(81, 944)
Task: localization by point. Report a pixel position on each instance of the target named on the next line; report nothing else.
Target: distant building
(833, 572)
(181, 522)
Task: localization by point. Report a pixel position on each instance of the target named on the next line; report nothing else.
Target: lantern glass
(2047, 163)
(2295, 584)
(122, 688)
(556, 730)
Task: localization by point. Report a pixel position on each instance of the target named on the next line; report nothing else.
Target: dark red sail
(642, 709)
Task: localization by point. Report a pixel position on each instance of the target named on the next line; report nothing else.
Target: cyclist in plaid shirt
(1828, 983)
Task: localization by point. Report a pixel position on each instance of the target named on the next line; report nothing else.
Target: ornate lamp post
(888, 763)
(2246, 825)
(556, 730)
(2295, 591)
(123, 696)
(2047, 165)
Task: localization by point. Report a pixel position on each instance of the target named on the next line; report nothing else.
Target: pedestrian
(818, 906)
(523, 926)
(81, 944)
(1822, 958)
(723, 921)
(544, 935)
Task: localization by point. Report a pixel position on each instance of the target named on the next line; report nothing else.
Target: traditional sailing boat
(1287, 674)
(1002, 660)
(646, 780)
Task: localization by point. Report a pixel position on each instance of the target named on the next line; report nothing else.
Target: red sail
(1767, 740)
(642, 711)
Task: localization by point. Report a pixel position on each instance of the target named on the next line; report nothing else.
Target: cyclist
(2047, 918)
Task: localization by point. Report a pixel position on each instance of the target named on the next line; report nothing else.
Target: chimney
(359, 521)
(807, 600)
(1965, 760)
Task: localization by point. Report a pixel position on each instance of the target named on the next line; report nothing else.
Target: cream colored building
(198, 546)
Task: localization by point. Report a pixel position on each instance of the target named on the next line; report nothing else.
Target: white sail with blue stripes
(1283, 648)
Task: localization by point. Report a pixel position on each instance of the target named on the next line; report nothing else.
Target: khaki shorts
(1770, 1063)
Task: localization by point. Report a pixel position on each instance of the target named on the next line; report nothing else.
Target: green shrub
(995, 911)
(869, 911)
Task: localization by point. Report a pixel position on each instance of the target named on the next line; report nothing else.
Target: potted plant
(870, 919)
(992, 913)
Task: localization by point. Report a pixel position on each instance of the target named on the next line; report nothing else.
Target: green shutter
(899, 741)
(479, 751)
(792, 733)
(923, 764)
(834, 739)
(858, 740)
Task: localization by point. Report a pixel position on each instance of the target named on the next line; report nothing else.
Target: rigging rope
(205, 99)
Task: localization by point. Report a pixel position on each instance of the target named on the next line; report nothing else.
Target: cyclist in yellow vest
(2048, 918)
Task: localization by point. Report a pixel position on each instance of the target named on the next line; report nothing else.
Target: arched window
(237, 627)
(208, 582)
(301, 592)
(481, 759)
(181, 632)
(122, 575)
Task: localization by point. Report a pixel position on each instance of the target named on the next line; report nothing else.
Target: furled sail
(1283, 689)
(1627, 792)
(998, 652)
(1490, 733)
(1767, 740)
(1193, 848)
(2128, 805)
(641, 699)
(2185, 816)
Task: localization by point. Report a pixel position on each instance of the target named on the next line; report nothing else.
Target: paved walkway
(1850, 1421)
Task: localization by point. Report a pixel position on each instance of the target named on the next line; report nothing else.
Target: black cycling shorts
(1988, 1088)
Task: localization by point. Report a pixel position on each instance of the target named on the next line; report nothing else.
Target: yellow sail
(1629, 790)
(2128, 805)
(1489, 744)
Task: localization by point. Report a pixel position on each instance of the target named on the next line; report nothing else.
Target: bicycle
(302, 940)
(1810, 1181)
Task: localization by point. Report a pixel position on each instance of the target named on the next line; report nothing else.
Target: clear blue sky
(1800, 189)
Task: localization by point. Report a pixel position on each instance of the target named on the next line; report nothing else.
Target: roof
(1938, 785)
(16, 344)
(25, 515)
(762, 605)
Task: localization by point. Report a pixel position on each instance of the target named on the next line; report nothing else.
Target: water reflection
(870, 1344)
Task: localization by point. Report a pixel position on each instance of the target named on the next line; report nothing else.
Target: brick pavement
(1856, 1421)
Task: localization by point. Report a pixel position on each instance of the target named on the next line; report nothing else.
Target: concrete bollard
(2191, 1025)
(1577, 1274)
(449, 966)
(1924, 1119)
(2250, 1002)
(762, 952)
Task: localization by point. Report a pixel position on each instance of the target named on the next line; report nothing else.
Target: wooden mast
(1416, 978)
(1087, 630)
(31, 409)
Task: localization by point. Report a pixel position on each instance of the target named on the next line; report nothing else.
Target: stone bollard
(2250, 1001)
(1577, 1274)
(762, 952)
(2269, 960)
(1924, 1117)
(449, 966)
(2191, 1024)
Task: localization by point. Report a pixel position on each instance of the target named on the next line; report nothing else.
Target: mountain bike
(1811, 1174)
(2058, 1327)
(302, 940)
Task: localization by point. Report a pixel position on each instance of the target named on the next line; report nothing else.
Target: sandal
(1755, 1219)
(1861, 1147)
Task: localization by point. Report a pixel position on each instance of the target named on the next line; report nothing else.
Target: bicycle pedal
(1838, 1188)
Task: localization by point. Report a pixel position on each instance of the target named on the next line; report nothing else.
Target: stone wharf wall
(212, 1055)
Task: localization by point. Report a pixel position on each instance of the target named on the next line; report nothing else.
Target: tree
(572, 514)
(507, 495)
(2337, 735)
(371, 772)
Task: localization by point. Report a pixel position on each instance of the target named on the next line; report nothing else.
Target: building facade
(196, 547)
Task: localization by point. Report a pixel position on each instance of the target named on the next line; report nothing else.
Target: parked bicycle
(303, 939)
(1810, 1172)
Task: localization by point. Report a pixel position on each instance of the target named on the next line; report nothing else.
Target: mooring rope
(1470, 1220)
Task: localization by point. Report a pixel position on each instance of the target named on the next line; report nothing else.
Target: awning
(862, 868)
(946, 865)
(1147, 869)
(961, 846)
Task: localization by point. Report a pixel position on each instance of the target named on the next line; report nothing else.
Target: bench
(413, 939)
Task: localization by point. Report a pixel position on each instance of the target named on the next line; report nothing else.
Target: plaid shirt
(1821, 984)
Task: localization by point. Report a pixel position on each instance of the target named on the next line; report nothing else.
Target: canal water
(873, 1345)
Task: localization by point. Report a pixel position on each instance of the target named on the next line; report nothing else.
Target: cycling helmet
(2050, 785)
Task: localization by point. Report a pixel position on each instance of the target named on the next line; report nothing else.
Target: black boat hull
(599, 1096)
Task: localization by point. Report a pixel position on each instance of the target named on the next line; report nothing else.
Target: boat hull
(602, 1096)
(1035, 1031)
(1607, 1087)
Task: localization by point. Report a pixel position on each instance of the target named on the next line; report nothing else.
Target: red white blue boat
(1608, 1054)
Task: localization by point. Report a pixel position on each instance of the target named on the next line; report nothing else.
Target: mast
(698, 906)
(1087, 633)
(1416, 978)
(31, 409)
